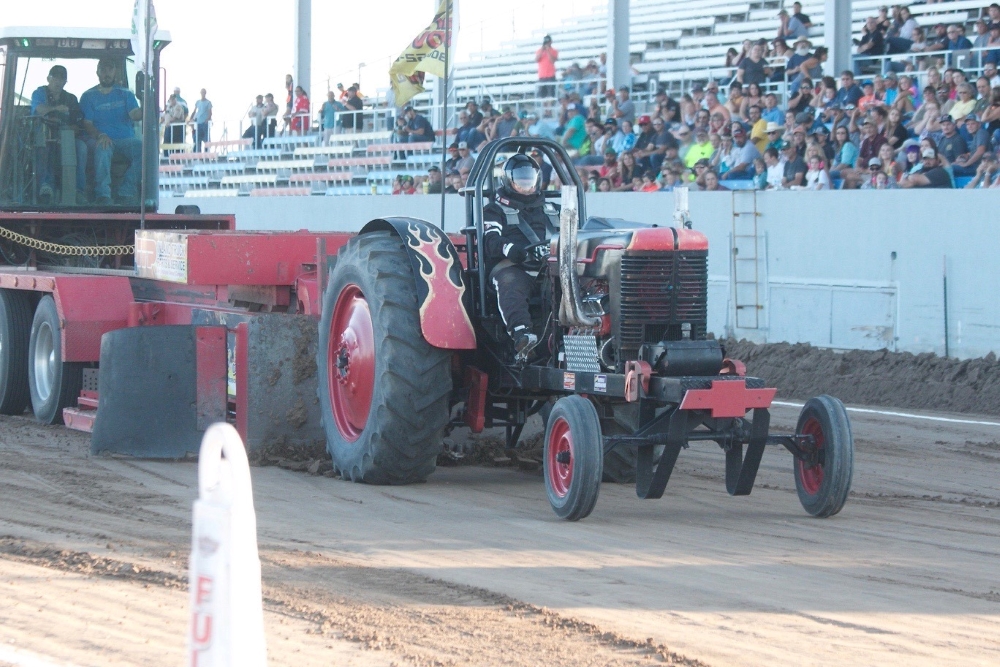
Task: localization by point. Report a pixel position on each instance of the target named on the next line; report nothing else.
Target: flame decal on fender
(443, 318)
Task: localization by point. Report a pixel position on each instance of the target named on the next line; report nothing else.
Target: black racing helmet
(521, 176)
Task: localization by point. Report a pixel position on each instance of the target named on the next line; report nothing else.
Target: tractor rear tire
(16, 311)
(383, 389)
(823, 488)
(573, 460)
(619, 465)
(55, 384)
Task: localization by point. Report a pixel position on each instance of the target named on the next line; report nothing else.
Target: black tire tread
(619, 465)
(838, 469)
(403, 438)
(18, 313)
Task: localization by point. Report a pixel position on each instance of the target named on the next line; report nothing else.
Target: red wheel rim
(811, 478)
(351, 362)
(560, 443)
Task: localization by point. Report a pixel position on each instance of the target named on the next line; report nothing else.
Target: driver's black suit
(510, 258)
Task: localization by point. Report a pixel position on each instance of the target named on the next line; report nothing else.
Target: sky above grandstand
(239, 49)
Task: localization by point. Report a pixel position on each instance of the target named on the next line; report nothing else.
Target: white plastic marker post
(227, 620)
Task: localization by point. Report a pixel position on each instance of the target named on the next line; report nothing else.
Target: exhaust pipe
(570, 307)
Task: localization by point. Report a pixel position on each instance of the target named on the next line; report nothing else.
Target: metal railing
(967, 60)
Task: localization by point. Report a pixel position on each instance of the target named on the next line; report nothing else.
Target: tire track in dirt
(424, 621)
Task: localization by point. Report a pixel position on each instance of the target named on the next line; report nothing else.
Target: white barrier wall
(836, 269)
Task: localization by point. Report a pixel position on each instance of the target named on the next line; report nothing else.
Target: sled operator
(515, 241)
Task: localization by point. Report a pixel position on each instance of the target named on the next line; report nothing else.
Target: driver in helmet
(516, 225)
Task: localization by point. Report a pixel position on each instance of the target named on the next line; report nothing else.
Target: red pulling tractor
(208, 323)
(624, 374)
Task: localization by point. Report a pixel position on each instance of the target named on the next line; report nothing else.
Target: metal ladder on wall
(745, 253)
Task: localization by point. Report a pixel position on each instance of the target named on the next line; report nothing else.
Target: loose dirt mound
(893, 379)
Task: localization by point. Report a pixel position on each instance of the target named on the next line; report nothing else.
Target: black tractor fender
(438, 280)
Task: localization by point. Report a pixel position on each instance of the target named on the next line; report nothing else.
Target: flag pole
(145, 117)
(444, 102)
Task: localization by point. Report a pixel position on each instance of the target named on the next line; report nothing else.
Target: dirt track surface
(474, 569)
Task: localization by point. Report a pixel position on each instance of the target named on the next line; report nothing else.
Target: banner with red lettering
(227, 621)
(425, 54)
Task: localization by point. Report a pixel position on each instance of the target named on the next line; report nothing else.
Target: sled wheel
(619, 463)
(55, 384)
(15, 335)
(383, 389)
(824, 487)
(574, 458)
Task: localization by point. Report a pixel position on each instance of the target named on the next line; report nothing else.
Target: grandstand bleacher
(672, 45)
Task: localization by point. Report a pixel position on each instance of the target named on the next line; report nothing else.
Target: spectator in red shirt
(300, 112)
(609, 169)
(546, 58)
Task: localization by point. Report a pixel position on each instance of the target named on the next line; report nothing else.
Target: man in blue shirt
(957, 41)
(328, 114)
(790, 27)
(201, 116)
(849, 92)
(53, 103)
(419, 129)
(108, 113)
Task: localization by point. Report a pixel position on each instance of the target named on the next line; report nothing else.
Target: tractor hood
(598, 235)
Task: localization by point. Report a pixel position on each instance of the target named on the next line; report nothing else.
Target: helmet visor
(524, 179)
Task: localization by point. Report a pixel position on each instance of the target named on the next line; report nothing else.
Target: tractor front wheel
(823, 488)
(574, 457)
(383, 390)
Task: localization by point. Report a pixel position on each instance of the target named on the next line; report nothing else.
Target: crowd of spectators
(342, 111)
(879, 130)
(911, 113)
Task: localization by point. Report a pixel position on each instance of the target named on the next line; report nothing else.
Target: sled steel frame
(674, 430)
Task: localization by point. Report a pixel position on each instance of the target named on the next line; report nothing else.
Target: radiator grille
(659, 293)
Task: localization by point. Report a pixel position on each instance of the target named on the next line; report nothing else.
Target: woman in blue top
(847, 153)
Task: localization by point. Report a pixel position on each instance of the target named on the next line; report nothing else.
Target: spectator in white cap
(465, 160)
(775, 132)
(930, 175)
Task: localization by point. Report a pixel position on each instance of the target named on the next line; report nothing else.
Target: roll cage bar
(480, 184)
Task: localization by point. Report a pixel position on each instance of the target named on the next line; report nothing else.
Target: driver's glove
(515, 252)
